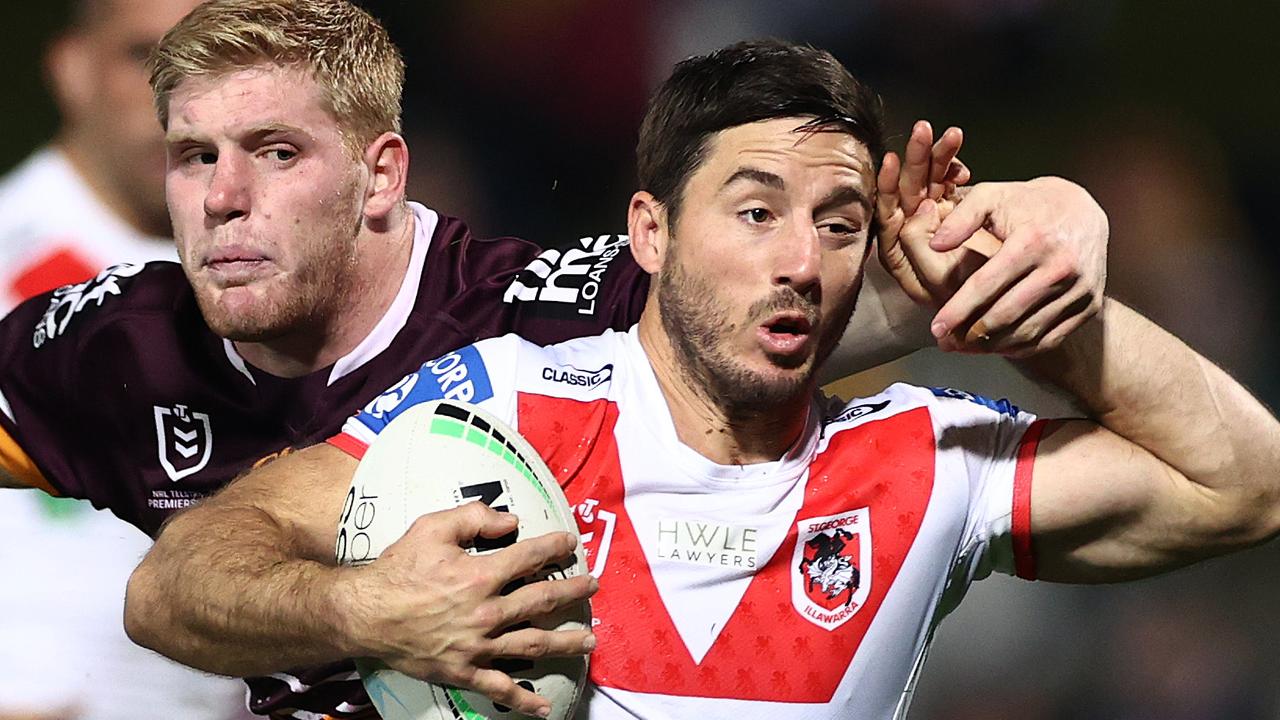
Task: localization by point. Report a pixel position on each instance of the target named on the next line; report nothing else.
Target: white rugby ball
(436, 456)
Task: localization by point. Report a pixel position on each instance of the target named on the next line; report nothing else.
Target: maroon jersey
(114, 390)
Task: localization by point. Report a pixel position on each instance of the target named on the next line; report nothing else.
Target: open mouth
(789, 324)
(786, 333)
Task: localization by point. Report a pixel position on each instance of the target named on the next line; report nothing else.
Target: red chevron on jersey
(641, 650)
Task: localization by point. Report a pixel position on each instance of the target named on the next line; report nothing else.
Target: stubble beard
(700, 331)
(314, 293)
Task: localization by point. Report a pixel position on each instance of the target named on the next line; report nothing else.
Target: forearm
(885, 326)
(1148, 387)
(222, 590)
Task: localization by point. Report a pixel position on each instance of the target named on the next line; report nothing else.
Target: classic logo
(570, 375)
(595, 527)
(831, 567)
(568, 278)
(185, 440)
(392, 397)
(71, 299)
(857, 411)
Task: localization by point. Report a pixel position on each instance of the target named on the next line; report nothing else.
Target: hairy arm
(245, 584)
(1179, 461)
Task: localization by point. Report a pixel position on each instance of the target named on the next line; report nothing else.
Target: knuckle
(486, 615)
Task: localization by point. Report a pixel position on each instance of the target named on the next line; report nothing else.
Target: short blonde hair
(345, 49)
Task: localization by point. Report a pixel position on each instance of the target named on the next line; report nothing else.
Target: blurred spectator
(91, 198)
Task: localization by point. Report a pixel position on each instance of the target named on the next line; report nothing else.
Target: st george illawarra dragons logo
(831, 567)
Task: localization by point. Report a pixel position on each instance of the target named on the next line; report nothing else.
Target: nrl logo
(831, 567)
(185, 440)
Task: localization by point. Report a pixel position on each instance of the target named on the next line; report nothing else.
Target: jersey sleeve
(991, 444)
(482, 374)
(45, 421)
(576, 289)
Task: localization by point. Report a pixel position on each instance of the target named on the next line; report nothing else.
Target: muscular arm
(1182, 462)
(244, 584)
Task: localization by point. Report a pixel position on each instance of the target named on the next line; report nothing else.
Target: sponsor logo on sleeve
(570, 375)
(831, 567)
(69, 300)
(389, 400)
(568, 279)
(185, 440)
(461, 375)
(853, 412)
(1001, 406)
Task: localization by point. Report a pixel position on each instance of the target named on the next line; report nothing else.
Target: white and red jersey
(808, 587)
(54, 231)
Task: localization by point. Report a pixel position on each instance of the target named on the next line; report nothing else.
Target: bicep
(300, 494)
(1103, 509)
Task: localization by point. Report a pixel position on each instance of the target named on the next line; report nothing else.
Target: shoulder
(946, 406)
(119, 294)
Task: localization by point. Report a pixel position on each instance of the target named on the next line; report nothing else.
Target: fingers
(973, 212)
(917, 166)
(532, 554)
(981, 290)
(463, 524)
(534, 643)
(537, 599)
(944, 152)
(500, 688)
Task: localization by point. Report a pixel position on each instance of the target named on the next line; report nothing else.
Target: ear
(387, 159)
(68, 65)
(647, 225)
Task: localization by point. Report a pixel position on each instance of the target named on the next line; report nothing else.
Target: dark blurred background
(521, 118)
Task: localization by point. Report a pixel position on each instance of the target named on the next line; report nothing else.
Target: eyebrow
(844, 195)
(838, 197)
(749, 174)
(257, 134)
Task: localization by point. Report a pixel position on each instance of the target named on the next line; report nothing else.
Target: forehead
(249, 98)
(782, 146)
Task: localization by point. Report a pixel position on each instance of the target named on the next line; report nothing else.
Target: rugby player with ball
(760, 550)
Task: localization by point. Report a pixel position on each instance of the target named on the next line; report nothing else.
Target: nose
(227, 196)
(799, 260)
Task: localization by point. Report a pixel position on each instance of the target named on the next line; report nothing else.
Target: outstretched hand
(431, 610)
(1012, 268)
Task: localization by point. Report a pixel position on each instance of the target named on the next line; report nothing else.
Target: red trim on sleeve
(349, 445)
(1024, 561)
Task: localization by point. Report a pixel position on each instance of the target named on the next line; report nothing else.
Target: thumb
(969, 216)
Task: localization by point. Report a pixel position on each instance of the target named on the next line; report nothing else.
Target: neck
(149, 222)
(359, 305)
(722, 434)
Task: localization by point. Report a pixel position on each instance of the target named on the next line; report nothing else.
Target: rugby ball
(436, 456)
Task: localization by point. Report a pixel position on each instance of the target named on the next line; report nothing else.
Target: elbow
(143, 612)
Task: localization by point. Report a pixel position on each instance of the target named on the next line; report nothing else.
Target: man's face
(766, 257)
(266, 201)
(111, 103)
